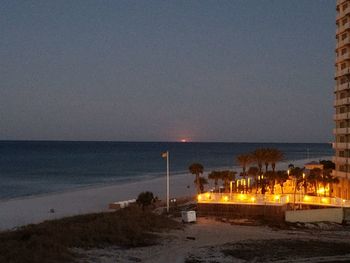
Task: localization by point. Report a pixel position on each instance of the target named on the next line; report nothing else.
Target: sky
(226, 71)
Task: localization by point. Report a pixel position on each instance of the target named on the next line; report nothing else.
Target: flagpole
(167, 181)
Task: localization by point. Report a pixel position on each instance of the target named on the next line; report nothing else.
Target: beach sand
(214, 241)
(22, 211)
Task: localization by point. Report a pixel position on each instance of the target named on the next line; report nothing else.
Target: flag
(164, 155)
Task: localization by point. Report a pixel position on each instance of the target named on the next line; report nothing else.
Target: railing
(343, 86)
(268, 199)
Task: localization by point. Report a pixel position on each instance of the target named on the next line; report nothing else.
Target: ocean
(39, 167)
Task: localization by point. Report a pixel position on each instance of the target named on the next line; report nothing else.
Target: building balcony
(341, 160)
(342, 13)
(342, 43)
(341, 58)
(343, 28)
(341, 116)
(344, 101)
(341, 87)
(339, 2)
(341, 131)
(341, 145)
(342, 72)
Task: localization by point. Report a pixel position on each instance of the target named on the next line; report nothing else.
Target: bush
(145, 199)
(51, 241)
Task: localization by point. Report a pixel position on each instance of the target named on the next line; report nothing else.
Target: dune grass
(51, 241)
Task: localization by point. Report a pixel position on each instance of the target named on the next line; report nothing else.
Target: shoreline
(92, 199)
(150, 177)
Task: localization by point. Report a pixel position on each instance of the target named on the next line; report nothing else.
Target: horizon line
(160, 141)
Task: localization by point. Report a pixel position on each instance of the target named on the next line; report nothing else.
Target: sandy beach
(35, 209)
(212, 241)
(18, 212)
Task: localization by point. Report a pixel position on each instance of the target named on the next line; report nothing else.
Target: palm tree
(328, 178)
(271, 177)
(314, 177)
(259, 158)
(275, 156)
(216, 176)
(327, 164)
(202, 181)
(282, 177)
(196, 169)
(332, 180)
(228, 176)
(297, 173)
(253, 171)
(244, 160)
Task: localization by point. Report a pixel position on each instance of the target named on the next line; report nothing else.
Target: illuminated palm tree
(259, 157)
(196, 169)
(297, 173)
(270, 177)
(282, 177)
(228, 176)
(253, 171)
(332, 180)
(328, 178)
(314, 177)
(244, 160)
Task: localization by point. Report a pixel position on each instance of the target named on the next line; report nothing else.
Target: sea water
(38, 167)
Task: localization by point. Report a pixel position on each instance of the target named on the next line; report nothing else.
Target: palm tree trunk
(197, 184)
(281, 187)
(295, 192)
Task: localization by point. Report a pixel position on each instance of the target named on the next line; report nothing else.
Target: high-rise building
(341, 144)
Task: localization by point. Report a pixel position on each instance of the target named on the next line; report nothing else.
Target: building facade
(341, 144)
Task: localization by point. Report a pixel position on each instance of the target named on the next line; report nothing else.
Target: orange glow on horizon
(183, 140)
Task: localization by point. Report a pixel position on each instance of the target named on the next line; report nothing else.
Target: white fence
(268, 199)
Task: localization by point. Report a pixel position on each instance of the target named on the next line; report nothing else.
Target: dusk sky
(232, 71)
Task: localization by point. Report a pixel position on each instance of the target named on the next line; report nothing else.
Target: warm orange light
(321, 190)
(207, 195)
(324, 200)
(199, 197)
(277, 197)
(252, 199)
(225, 198)
(183, 140)
(307, 198)
(242, 197)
